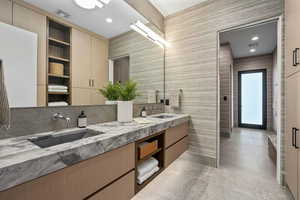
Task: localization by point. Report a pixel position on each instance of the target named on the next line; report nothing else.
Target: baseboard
(225, 134)
(212, 162)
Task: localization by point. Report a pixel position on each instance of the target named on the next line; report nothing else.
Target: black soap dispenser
(143, 112)
(82, 120)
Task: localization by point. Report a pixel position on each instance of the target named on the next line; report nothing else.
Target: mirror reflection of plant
(128, 91)
(111, 92)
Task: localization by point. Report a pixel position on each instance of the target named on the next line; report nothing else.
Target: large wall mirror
(55, 53)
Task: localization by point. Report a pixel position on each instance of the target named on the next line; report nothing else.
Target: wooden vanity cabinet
(122, 189)
(175, 134)
(100, 175)
(176, 142)
(172, 153)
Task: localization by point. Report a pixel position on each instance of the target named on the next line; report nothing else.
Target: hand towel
(147, 166)
(4, 104)
(175, 99)
(142, 179)
(152, 96)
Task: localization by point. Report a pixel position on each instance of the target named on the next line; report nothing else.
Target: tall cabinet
(292, 72)
(89, 68)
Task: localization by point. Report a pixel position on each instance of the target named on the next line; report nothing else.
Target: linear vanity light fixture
(91, 4)
(149, 34)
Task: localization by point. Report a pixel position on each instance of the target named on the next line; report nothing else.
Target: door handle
(295, 57)
(90, 82)
(293, 137)
(295, 140)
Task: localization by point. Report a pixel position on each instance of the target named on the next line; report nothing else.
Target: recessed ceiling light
(252, 50)
(255, 38)
(108, 20)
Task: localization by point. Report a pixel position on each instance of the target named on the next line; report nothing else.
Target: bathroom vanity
(94, 164)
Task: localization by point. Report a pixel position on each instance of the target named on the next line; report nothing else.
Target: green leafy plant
(128, 91)
(111, 92)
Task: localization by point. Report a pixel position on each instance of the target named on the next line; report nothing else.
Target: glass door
(252, 99)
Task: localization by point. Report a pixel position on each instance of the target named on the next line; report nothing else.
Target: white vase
(107, 102)
(125, 111)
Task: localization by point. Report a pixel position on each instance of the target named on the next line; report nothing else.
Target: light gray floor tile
(245, 173)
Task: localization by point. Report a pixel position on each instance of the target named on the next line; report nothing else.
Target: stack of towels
(146, 169)
(58, 103)
(57, 88)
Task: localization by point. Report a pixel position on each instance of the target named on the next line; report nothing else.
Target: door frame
(264, 99)
(281, 100)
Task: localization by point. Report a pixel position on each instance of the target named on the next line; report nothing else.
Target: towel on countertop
(4, 104)
(58, 103)
(142, 179)
(146, 166)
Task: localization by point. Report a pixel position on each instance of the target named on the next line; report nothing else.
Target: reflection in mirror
(65, 54)
(136, 58)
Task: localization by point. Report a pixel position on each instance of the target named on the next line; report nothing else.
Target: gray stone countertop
(22, 161)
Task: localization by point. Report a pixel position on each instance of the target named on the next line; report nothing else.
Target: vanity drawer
(175, 134)
(122, 189)
(86, 178)
(77, 181)
(172, 153)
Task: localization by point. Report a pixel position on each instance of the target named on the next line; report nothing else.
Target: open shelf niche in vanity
(59, 53)
(157, 153)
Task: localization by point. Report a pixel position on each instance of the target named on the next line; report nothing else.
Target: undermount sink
(65, 137)
(164, 116)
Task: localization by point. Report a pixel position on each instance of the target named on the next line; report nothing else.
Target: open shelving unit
(59, 51)
(158, 154)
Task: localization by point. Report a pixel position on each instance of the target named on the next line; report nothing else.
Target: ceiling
(169, 7)
(240, 39)
(94, 20)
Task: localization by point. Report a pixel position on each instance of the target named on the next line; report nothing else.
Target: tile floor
(245, 173)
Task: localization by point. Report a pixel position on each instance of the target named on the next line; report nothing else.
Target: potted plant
(111, 92)
(128, 92)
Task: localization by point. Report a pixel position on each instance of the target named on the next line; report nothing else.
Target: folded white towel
(57, 90)
(59, 103)
(142, 179)
(57, 87)
(4, 105)
(147, 166)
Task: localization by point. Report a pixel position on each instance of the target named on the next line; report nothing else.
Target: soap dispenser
(143, 112)
(82, 120)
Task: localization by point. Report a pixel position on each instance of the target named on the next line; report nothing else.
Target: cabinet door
(292, 22)
(292, 121)
(81, 96)
(81, 59)
(28, 19)
(96, 97)
(99, 73)
(6, 11)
